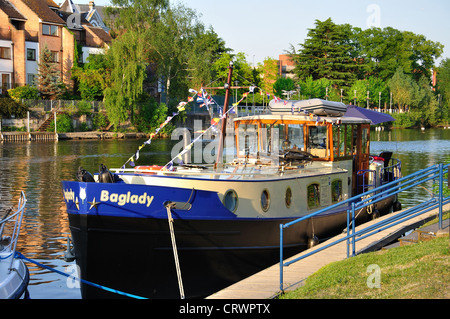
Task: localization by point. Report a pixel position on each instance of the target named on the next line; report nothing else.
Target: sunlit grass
(421, 270)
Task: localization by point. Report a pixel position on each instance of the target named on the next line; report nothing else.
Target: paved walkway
(266, 284)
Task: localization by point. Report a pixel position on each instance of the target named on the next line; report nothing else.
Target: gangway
(434, 173)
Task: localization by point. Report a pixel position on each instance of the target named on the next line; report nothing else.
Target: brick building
(285, 66)
(27, 26)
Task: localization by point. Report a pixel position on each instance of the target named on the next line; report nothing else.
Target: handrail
(370, 197)
(16, 217)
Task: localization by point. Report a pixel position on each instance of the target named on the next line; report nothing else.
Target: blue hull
(122, 239)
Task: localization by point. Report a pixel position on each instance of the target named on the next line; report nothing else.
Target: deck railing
(15, 217)
(434, 173)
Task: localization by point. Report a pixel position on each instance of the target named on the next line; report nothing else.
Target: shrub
(63, 124)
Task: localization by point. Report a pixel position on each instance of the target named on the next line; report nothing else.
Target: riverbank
(415, 271)
(47, 136)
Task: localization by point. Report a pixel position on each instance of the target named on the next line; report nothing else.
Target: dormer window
(49, 29)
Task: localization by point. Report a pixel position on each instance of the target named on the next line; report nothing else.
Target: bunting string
(205, 99)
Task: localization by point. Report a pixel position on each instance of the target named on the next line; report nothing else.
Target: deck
(266, 283)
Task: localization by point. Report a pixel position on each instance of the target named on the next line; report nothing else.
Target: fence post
(348, 233)
(353, 230)
(441, 197)
(281, 257)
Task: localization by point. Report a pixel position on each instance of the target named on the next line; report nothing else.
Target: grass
(418, 271)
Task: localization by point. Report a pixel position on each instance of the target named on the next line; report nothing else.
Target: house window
(30, 79)
(5, 53)
(55, 56)
(31, 54)
(49, 29)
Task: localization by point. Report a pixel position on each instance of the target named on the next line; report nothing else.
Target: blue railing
(371, 197)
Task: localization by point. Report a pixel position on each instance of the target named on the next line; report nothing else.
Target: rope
(174, 247)
(19, 255)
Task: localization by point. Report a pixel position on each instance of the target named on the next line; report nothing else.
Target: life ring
(151, 168)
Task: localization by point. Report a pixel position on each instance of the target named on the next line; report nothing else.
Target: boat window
(230, 200)
(350, 139)
(318, 141)
(288, 197)
(313, 196)
(365, 141)
(248, 140)
(336, 190)
(339, 146)
(265, 200)
(294, 138)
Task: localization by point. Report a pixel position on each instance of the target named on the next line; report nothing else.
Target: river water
(38, 168)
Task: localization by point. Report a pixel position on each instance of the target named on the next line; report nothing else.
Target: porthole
(230, 200)
(313, 196)
(288, 197)
(265, 200)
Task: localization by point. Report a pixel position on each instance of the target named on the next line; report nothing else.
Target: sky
(267, 28)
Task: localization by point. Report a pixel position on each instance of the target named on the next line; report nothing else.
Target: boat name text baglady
(120, 199)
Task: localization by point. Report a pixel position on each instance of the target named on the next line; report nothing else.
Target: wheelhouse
(264, 139)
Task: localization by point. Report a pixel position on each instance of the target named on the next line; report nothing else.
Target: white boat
(14, 274)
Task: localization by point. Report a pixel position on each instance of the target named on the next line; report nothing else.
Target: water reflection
(38, 168)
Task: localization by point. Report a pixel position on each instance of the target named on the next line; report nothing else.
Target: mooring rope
(174, 248)
(21, 256)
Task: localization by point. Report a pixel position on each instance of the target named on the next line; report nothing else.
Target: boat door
(362, 154)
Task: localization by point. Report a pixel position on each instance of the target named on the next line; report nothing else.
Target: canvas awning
(374, 116)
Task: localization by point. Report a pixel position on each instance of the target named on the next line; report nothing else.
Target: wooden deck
(265, 284)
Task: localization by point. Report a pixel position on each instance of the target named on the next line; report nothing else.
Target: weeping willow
(128, 75)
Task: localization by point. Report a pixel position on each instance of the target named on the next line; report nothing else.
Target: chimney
(91, 5)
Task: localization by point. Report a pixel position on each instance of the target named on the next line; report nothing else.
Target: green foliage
(151, 115)
(10, 107)
(443, 81)
(24, 92)
(327, 53)
(411, 271)
(318, 89)
(100, 121)
(49, 81)
(372, 85)
(93, 77)
(283, 84)
(63, 124)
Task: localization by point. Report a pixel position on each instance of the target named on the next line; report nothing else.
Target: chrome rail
(16, 218)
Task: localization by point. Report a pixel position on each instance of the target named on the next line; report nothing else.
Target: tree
(93, 77)
(327, 53)
(402, 88)
(269, 71)
(443, 81)
(283, 84)
(156, 44)
(49, 81)
(374, 86)
(385, 50)
(9, 107)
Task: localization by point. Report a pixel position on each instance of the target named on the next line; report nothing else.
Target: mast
(219, 159)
